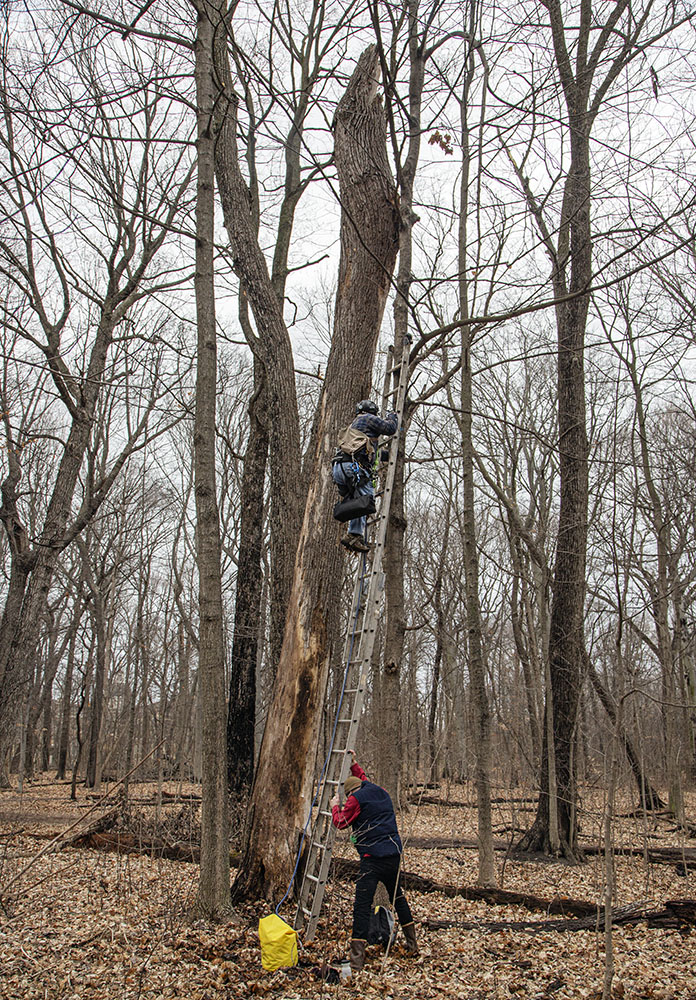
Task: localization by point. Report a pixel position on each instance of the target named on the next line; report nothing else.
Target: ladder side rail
(337, 767)
(349, 675)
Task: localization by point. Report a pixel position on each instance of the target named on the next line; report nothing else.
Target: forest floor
(91, 924)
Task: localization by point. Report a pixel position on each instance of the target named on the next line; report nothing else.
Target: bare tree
(53, 300)
(588, 63)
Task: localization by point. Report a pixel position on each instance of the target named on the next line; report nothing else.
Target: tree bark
(242, 695)
(566, 635)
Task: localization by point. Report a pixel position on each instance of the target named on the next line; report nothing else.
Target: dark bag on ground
(381, 929)
(352, 507)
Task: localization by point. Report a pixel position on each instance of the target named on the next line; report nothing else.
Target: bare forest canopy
(215, 221)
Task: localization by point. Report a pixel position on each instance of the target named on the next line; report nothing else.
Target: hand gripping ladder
(357, 656)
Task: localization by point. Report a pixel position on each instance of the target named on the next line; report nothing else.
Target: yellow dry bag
(278, 943)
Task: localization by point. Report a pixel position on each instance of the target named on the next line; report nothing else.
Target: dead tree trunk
(369, 237)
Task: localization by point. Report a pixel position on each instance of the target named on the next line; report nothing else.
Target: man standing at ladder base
(369, 810)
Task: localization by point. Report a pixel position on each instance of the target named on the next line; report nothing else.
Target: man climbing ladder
(354, 464)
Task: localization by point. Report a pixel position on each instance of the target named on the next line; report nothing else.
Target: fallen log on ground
(121, 842)
(434, 800)
(497, 897)
(656, 855)
(126, 843)
(675, 913)
(343, 867)
(158, 798)
(106, 821)
(679, 856)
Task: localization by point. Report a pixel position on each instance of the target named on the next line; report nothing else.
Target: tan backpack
(352, 441)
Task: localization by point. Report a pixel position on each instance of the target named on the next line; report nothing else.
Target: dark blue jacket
(375, 427)
(374, 829)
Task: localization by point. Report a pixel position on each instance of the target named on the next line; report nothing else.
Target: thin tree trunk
(84, 689)
(64, 739)
(435, 683)
(480, 709)
(47, 730)
(649, 798)
(214, 887)
(519, 603)
(97, 691)
(390, 752)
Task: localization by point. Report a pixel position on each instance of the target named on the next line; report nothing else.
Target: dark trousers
(372, 871)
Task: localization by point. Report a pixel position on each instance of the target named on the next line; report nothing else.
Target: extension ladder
(357, 657)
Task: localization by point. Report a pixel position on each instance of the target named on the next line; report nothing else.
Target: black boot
(356, 955)
(410, 935)
(358, 543)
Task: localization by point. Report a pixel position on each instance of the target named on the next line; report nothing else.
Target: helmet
(366, 406)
